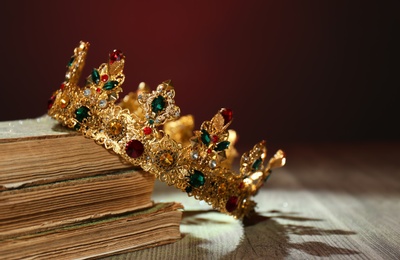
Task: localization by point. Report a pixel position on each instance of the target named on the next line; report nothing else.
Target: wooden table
(336, 201)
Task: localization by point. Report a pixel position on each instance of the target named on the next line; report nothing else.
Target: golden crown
(197, 167)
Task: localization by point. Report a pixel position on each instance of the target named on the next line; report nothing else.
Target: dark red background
(290, 70)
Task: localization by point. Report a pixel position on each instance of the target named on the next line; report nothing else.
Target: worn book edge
(61, 203)
(101, 237)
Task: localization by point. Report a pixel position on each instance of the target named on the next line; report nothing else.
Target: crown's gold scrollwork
(198, 164)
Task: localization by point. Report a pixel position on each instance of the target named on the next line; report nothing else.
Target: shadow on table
(265, 238)
(277, 237)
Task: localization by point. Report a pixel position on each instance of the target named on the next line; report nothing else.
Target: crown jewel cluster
(197, 168)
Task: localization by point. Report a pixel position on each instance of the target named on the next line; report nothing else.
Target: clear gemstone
(194, 155)
(103, 103)
(87, 92)
(112, 97)
(213, 164)
(160, 88)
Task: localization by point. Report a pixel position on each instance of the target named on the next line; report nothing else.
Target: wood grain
(331, 201)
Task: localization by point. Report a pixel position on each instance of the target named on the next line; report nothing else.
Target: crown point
(227, 114)
(169, 84)
(143, 87)
(116, 55)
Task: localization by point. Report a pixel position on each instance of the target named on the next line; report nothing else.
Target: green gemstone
(205, 137)
(256, 165)
(95, 76)
(71, 61)
(197, 179)
(222, 146)
(188, 189)
(158, 104)
(151, 121)
(110, 85)
(269, 175)
(81, 113)
(77, 126)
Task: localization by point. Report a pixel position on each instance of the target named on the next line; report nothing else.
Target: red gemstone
(116, 55)
(232, 203)
(104, 78)
(50, 102)
(215, 139)
(62, 86)
(227, 114)
(147, 130)
(209, 151)
(134, 149)
(98, 90)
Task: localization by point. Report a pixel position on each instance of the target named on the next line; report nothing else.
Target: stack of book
(63, 196)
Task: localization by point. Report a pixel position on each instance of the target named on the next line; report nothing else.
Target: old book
(51, 177)
(63, 196)
(39, 151)
(100, 237)
(46, 206)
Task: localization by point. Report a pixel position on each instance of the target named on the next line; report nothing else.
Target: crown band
(197, 168)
